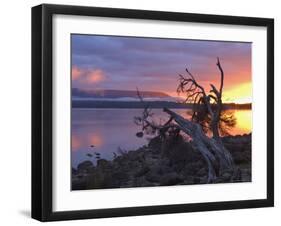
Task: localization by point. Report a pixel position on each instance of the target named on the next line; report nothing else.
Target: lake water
(106, 130)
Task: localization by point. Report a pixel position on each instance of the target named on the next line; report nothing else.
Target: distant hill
(111, 93)
(129, 99)
(127, 104)
(138, 104)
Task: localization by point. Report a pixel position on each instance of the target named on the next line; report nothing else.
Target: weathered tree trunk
(217, 157)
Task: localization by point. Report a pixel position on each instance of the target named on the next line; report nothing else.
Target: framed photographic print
(146, 112)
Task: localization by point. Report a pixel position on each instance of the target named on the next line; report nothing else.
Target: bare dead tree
(217, 157)
(207, 106)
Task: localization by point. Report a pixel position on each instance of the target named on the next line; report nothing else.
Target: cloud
(76, 72)
(154, 64)
(87, 76)
(95, 76)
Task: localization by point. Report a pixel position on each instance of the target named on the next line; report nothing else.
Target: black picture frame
(42, 106)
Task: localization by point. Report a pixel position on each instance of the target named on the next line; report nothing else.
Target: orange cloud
(75, 142)
(87, 76)
(95, 76)
(76, 73)
(95, 139)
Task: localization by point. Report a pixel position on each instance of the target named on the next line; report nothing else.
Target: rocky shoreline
(160, 164)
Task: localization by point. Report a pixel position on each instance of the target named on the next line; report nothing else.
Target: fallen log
(217, 157)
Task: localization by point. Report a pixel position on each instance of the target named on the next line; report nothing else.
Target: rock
(139, 134)
(204, 179)
(103, 163)
(192, 168)
(78, 184)
(80, 176)
(196, 180)
(152, 177)
(142, 182)
(171, 179)
(85, 166)
(142, 171)
(120, 176)
(246, 175)
(164, 169)
(188, 180)
(202, 172)
(225, 177)
(73, 171)
(150, 161)
(155, 144)
(159, 164)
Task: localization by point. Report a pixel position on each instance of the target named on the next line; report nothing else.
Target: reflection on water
(243, 123)
(106, 130)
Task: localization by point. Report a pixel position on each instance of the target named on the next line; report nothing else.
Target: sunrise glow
(239, 94)
(122, 63)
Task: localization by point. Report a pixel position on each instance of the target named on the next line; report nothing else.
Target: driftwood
(218, 158)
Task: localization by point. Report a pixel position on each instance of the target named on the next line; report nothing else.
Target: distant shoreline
(151, 104)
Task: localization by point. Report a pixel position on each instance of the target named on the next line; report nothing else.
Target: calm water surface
(107, 130)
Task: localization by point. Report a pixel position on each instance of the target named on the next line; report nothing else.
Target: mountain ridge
(112, 93)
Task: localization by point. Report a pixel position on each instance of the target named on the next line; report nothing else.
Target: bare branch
(222, 75)
(189, 86)
(213, 97)
(148, 125)
(215, 91)
(139, 95)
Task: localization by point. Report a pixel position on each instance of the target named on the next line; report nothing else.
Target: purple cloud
(153, 63)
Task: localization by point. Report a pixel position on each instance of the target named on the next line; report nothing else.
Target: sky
(153, 64)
